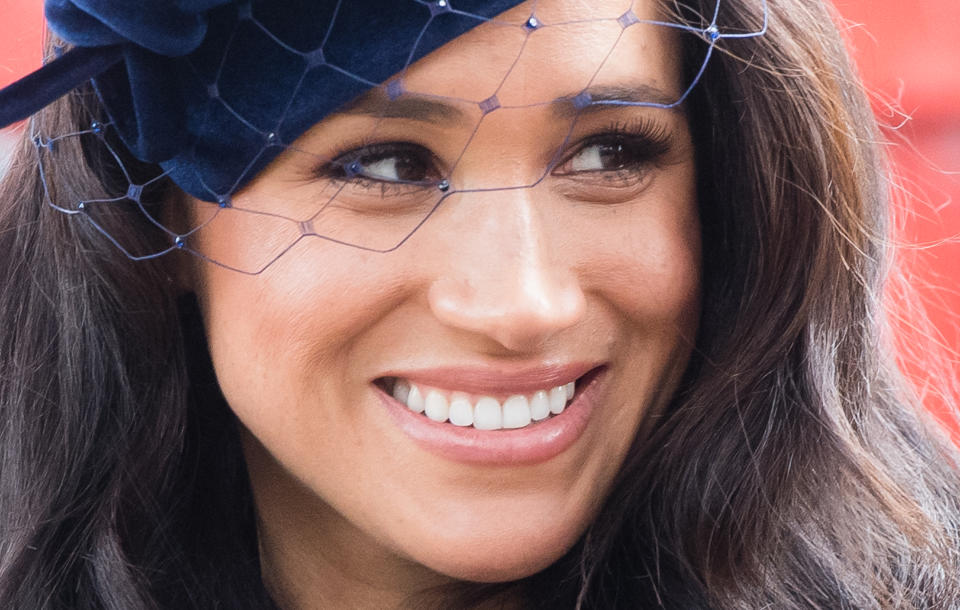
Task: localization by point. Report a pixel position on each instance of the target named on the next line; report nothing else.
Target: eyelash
(647, 140)
(337, 169)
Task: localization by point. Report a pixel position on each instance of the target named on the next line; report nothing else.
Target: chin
(499, 557)
(476, 567)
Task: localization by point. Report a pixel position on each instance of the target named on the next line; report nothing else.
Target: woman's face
(500, 300)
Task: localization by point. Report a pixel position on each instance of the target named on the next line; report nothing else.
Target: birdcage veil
(215, 92)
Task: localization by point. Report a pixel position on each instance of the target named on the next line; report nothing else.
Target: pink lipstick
(537, 442)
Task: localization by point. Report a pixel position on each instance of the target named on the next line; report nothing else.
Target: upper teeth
(483, 412)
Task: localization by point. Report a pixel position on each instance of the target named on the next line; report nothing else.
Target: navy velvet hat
(212, 90)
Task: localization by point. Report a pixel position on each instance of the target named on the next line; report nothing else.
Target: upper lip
(497, 379)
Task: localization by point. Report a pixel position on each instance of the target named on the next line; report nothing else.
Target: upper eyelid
(340, 160)
(386, 147)
(658, 141)
(655, 133)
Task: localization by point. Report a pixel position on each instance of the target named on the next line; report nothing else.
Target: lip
(498, 382)
(536, 443)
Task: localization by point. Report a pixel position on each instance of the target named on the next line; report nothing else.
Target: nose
(507, 273)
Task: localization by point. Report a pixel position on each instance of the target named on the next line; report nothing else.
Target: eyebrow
(599, 99)
(429, 109)
(409, 106)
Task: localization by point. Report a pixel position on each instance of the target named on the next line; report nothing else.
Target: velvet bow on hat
(212, 89)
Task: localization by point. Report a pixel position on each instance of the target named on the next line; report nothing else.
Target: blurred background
(909, 55)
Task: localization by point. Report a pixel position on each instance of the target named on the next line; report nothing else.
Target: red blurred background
(909, 54)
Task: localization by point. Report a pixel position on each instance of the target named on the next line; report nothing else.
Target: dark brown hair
(792, 470)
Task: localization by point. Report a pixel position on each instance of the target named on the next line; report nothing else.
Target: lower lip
(537, 442)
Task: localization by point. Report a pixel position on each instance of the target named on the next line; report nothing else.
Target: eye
(394, 162)
(603, 157)
(623, 152)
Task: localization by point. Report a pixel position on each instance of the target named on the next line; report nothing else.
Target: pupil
(613, 156)
(395, 167)
(410, 169)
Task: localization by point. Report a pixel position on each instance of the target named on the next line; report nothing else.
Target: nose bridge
(503, 277)
(514, 244)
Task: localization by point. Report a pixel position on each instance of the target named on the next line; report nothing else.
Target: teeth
(401, 390)
(415, 399)
(487, 413)
(516, 412)
(539, 406)
(558, 399)
(436, 406)
(461, 411)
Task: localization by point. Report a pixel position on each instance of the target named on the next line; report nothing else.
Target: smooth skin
(600, 263)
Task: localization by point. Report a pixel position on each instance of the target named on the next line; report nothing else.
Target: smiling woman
(544, 304)
(462, 402)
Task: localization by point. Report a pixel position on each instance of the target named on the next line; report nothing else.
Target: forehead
(574, 45)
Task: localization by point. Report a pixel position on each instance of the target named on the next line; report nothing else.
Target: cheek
(648, 263)
(293, 326)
